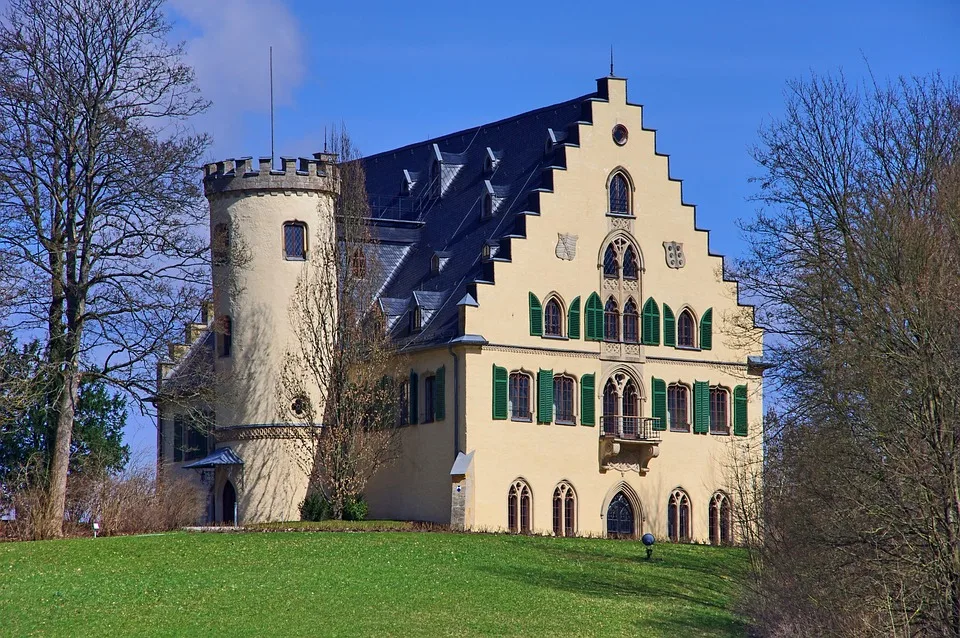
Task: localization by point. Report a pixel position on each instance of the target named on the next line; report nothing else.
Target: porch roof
(222, 456)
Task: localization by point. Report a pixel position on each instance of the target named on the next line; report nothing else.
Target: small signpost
(96, 528)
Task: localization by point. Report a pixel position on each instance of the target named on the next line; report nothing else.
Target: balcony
(628, 443)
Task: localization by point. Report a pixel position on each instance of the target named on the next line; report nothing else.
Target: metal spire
(611, 60)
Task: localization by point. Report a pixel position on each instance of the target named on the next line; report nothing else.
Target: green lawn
(372, 583)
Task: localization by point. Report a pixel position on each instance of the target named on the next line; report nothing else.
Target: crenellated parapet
(240, 176)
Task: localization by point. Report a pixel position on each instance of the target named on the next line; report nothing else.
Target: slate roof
(508, 160)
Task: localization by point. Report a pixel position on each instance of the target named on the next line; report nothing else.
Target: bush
(315, 508)
(355, 509)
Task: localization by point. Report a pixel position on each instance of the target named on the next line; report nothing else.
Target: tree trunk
(51, 525)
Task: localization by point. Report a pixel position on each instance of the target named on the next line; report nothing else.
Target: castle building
(578, 363)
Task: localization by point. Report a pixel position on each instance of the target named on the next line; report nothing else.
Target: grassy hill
(376, 583)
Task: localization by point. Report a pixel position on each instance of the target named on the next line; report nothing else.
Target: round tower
(261, 226)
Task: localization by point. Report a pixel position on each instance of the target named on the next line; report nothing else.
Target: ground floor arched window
(519, 508)
(620, 518)
(721, 520)
(678, 516)
(564, 510)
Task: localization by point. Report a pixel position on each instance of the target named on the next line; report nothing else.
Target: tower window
(295, 241)
(224, 337)
(685, 330)
(221, 245)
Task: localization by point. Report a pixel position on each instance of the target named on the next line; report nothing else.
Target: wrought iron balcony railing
(631, 428)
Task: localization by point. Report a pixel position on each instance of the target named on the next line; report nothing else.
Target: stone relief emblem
(674, 252)
(567, 246)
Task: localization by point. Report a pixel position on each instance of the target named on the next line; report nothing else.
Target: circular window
(300, 406)
(620, 134)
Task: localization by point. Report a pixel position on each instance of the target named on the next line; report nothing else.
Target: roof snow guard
(223, 456)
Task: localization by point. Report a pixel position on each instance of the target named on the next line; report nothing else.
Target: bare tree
(99, 202)
(855, 267)
(336, 381)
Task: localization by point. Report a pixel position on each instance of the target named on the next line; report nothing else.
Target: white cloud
(228, 47)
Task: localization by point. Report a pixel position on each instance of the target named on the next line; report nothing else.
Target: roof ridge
(434, 140)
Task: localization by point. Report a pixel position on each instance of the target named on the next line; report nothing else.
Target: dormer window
(487, 206)
(435, 264)
(485, 252)
(416, 319)
(491, 159)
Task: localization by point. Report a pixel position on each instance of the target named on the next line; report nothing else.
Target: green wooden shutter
(573, 319)
(414, 393)
(588, 400)
(593, 320)
(439, 394)
(669, 327)
(740, 410)
(499, 393)
(536, 316)
(659, 387)
(545, 396)
(651, 323)
(701, 407)
(706, 330)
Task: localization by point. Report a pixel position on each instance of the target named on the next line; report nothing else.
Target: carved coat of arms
(674, 254)
(567, 246)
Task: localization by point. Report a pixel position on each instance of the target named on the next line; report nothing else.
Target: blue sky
(708, 74)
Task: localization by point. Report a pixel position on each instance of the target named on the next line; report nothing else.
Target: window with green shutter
(701, 407)
(439, 394)
(573, 319)
(588, 400)
(536, 316)
(651, 323)
(669, 327)
(545, 396)
(414, 393)
(740, 410)
(706, 330)
(593, 318)
(499, 393)
(659, 391)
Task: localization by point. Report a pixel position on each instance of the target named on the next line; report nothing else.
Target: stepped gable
(443, 210)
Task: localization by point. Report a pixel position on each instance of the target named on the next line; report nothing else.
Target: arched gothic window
(631, 322)
(520, 396)
(631, 410)
(719, 410)
(611, 264)
(611, 408)
(721, 520)
(553, 319)
(631, 267)
(564, 510)
(619, 195)
(686, 329)
(678, 516)
(519, 508)
(611, 320)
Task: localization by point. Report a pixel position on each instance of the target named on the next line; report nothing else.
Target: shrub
(355, 509)
(315, 507)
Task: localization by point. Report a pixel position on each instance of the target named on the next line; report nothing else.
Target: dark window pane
(685, 330)
(563, 399)
(611, 266)
(520, 396)
(428, 399)
(295, 241)
(619, 197)
(631, 323)
(552, 319)
(631, 267)
(611, 321)
(718, 410)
